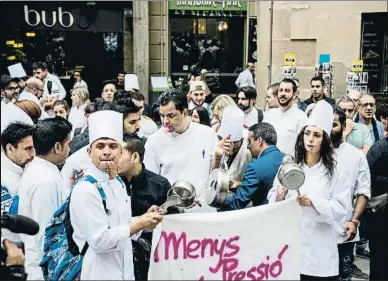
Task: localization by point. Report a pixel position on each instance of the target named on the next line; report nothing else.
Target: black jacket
(377, 159)
(79, 140)
(309, 101)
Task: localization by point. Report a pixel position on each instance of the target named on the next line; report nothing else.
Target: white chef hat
(232, 123)
(12, 113)
(105, 124)
(322, 116)
(131, 82)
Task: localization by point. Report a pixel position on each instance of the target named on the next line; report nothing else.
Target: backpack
(260, 115)
(61, 257)
(9, 204)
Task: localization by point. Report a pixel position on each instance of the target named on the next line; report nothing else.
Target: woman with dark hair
(324, 196)
(200, 115)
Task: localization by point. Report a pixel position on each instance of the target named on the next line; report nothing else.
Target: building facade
(166, 38)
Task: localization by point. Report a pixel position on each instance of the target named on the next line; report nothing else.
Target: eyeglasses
(365, 105)
(13, 88)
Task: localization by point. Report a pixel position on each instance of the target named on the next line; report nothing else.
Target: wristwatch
(356, 222)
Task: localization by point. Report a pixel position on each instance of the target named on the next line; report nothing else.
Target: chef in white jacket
(324, 196)
(42, 190)
(108, 232)
(181, 149)
(18, 151)
(287, 119)
(232, 124)
(355, 162)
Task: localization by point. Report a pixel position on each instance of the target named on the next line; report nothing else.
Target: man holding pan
(260, 173)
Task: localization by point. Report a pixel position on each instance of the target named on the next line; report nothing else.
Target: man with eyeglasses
(365, 115)
(9, 89)
(356, 134)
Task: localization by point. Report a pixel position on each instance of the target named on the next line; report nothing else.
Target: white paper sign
(160, 83)
(131, 81)
(17, 70)
(258, 243)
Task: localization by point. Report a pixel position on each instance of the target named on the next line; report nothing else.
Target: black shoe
(363, 253)
(358, 273)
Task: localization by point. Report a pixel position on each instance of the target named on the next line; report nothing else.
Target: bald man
(33, 91)
(355, 96)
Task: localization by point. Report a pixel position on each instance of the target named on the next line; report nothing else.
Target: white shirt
(319, 226)
(187, 157)
(251, 118)
(77, 117)
(77, 161)
(288, 125)
(11, 175)
(109, 256)
(354, 161)
(245, 79)
(147, 128)
(41, 193)
(28, 96)
(80, 84)
(57, 87)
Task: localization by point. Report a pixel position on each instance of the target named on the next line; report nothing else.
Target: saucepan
(182, 195)
(290, 174)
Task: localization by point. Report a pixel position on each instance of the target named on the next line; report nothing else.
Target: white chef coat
(354, 161)
(187, 157)
(147, 128)
(28, 96)
(288, 125)
(319, 226)
(77, 117)
(77, 161)
(243, 157)
(109, 256)
(251, 118)
(11, 175)
(245, 79)
(41, 193)
(57, 87)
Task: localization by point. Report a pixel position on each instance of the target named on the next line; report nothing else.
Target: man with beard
(18, 151)
(9, 89)
(287, 119)
(356, 134)
(246, 101)
(197, 95)
(365, 115)
(33, 91)
(354, 161)
(317, 85)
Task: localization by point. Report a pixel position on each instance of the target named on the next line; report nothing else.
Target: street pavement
(362, 264)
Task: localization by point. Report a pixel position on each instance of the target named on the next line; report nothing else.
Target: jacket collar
(8, 164)
(140, 176)
(267, 150)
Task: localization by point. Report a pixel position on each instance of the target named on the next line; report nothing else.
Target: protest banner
(260, 243)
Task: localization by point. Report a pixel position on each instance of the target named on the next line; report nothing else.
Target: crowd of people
(134, 153)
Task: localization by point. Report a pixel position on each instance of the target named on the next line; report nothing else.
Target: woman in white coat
(324, 197)
(79, 98)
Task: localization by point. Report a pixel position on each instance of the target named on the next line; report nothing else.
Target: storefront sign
(357, 66)
(225, 246)
(41, 17)
(208, 5)
(290, 60)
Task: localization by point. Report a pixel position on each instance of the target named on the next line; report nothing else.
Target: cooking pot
(217, 186)
(290, 174)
